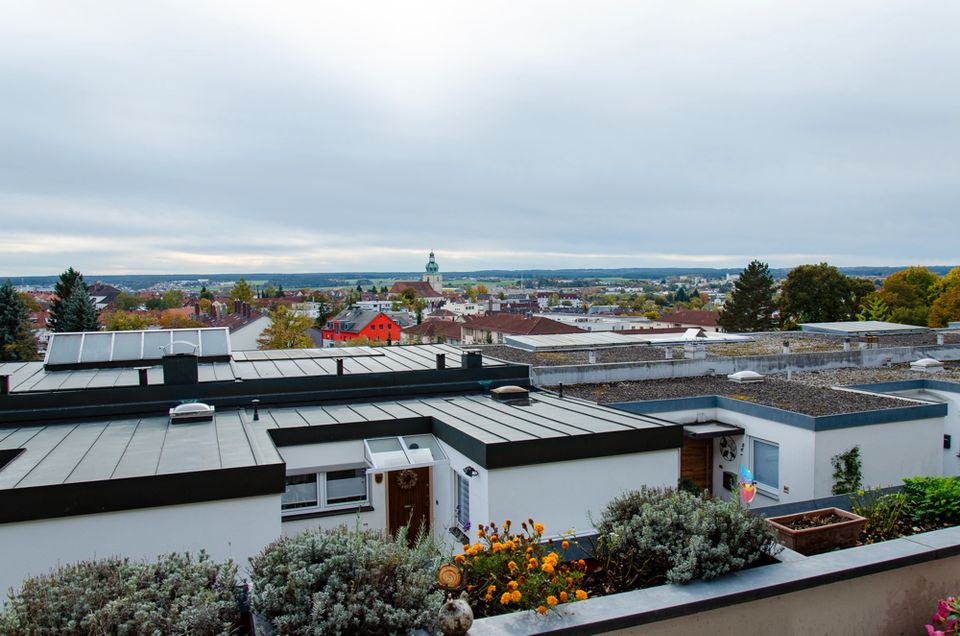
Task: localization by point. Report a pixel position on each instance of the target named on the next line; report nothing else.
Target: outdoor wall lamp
(470, 471)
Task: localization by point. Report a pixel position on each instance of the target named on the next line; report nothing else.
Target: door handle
(408, 506)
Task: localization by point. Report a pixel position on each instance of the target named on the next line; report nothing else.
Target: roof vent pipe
(4, 385)
(339, 366)
(142, 376)
(786, 346)
(441, 361)
(939, 338)
(846, 344)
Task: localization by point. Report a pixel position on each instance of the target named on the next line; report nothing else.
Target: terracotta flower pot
(809, 541)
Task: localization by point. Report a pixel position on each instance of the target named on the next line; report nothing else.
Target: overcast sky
(155, 137)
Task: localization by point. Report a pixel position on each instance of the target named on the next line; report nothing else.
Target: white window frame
(461, 481)
(763, 487)
(322, 505)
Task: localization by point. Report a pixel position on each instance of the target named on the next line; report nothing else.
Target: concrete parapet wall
(884, 588)
(725, 365)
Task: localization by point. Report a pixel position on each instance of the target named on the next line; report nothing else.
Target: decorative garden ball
(455, 616)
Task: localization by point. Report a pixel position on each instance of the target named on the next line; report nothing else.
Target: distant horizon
(577, 272)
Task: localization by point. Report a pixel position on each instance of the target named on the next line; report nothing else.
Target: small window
(301, 492)
(463, 502)
(346, 487)
(766, 464)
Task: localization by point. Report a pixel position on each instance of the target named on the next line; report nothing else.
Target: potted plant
(818, 531)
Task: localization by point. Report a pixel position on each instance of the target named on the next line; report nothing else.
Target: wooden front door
(408, 500)
(696, 462)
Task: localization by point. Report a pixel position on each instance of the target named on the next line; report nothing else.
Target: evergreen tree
(206, 293)
(80, 312)
(681, 296)
(873, 308)
(241, 291)
(751, 304)
(16, 339)
(62, 289)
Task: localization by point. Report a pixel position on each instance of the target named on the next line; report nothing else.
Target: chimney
(236, 306)
(142, 375)
(180, 368)
(4, 385)
(441, 361)
(471, 359)
(786, 346)
(846, 344)
(196, 309)
(339, 366)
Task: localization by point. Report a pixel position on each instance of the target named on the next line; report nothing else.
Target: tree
(287, 331)
(946, 308)
(16, 339)
(471, 293)
(62, 289)
(873, 308)
(126, 302)
(418, 306)
(820, 293)
(154, 303)
(482, 289)
(751, 305)
(242, 291)
(126, 321)
(206, 293)
(173, 299)
(681, 296)
(324, 311)
(79, 311)
(921, 280)
(178, 321)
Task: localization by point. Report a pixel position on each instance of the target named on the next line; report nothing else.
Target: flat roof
(496, 434)
(246, 365)
(87, 467)
(861, 328)
(605, 339)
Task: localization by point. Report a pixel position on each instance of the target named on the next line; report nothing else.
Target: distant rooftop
(861, 328)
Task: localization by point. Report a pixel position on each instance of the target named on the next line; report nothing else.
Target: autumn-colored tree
(921, 280)
(178, 321)
(946, 308)
(287, 331)
(482, 289)
(173, 298)
(127, 321)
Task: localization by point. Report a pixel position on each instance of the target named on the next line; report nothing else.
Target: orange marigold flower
(534, 562)
(566, 545)
(491, 588)
(466, 546)
(581, 595)
(582, 563)
(477, 547)
(512, 565)
(505, 598)
(494, 537)
(569, 581)
(541, 609)
(552, 600)
(563, 597)
(459, 558)
(511, 545)
(547, 568)
(538, 528)
(488, 597)
(515, 596)
(512, 585)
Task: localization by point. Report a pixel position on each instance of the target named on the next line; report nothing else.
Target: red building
(354, 323)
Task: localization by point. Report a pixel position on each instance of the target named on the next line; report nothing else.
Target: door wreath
(406, 479)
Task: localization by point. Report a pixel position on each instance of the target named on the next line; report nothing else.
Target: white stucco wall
(562, 495)
(335, 456)
(245, 338)
(889, 452)
(951, 423)
(230, 528)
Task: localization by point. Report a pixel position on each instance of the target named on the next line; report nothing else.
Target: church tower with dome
(433, 277)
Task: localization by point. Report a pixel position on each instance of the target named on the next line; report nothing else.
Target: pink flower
(934, 632)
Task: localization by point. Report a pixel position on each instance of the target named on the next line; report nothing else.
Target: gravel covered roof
(783, 394)
(843, 377)
(556, 358)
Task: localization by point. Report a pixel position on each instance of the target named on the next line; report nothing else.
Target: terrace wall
(725, 365)
(884, 588)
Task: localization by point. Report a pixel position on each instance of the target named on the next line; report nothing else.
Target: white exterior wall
(245, 338)
(562, 495)
(335, 456)
(444, 494)
(889, 452)
(231, 528)
(951, 423)
(796, 445)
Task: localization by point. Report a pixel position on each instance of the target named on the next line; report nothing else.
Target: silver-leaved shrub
(177, 594)
(346, 582)
(655, 536)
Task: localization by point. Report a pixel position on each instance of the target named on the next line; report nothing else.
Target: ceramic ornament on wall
(748, 487)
